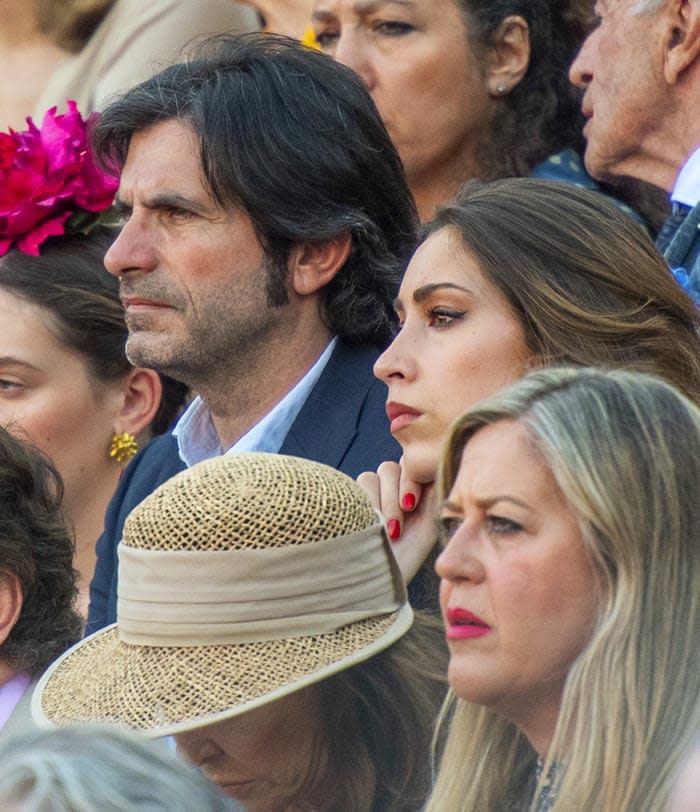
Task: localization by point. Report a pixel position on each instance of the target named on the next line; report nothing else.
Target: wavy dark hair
(541, 115)
(292, 137)
(69, 281)
(36, 548)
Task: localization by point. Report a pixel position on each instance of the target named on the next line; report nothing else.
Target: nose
(460, 559)
(580, 72)
(351, 50)
(398, 361)
(133, 250)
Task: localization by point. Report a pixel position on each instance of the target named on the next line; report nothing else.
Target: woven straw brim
(162, 691)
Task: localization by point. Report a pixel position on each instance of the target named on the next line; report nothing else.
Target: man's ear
(11, 599)
(682, 38)
(509, 55)
(141, 392)
(312, 265)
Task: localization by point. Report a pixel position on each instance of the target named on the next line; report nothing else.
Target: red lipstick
(464, 625)
(400, 415)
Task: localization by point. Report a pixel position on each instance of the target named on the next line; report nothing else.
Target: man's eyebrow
(164, 200)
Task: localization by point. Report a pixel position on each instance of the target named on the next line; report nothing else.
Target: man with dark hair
(38, 585)
(267, 222)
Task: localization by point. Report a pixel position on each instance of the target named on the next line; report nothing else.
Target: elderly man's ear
(312, 265)
(682, 50)
(10, 603)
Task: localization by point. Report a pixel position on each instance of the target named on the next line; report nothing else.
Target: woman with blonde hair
(570, 592)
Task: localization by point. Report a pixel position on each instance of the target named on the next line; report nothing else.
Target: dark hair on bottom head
(291, 137)
(36, 548)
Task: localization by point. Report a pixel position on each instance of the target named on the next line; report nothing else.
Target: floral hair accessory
(49, 182)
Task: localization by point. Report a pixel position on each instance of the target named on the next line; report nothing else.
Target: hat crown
(246, 502)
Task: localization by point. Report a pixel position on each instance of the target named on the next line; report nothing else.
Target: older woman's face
(518, 589)
(48, 395)
(263, 757)
(421, 70)
(459, 342)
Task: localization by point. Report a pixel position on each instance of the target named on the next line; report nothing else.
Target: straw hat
(241, 580)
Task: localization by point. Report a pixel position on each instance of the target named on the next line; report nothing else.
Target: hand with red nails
(409, 511)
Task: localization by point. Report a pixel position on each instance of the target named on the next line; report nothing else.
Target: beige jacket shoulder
(135, 41)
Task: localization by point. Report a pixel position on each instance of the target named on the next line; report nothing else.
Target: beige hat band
(193, 598)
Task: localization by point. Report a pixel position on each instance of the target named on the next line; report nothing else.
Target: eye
(10, 387)
(447, 526)
(500, 526)
(177, 213)
(123, 212)
(442, 317)
(393, 28)
(327, 39)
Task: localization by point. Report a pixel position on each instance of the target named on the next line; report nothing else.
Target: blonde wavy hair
(624, 448)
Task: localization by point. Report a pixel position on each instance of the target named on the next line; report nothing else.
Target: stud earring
(123, 447)
(500, 89)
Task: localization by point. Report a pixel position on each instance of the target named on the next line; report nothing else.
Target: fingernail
(393, 527)
(408, 502)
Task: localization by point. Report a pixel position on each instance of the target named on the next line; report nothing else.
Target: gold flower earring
(123, 447)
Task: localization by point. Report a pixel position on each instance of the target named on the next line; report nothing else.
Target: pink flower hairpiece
(49, 182)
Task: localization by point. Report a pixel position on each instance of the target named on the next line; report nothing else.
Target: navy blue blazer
(342, 424)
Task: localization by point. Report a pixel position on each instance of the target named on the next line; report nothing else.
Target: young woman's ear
(141, 395)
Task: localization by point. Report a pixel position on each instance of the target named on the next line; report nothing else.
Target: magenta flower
(46, 176)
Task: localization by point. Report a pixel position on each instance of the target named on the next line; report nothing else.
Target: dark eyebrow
(164, 200)
(425, 291)
(10, 361)
(361, 7)
(422, 293)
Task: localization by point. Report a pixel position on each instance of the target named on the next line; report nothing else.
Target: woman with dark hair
(516, 274)
(65, 380)
(468, 88)
(37, 580)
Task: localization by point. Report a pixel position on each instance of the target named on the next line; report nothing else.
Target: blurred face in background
(423, 73)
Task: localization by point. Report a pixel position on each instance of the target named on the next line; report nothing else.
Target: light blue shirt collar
(197, 439)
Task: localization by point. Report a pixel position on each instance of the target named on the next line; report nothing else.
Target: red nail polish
(393, 527)
(408, 502)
